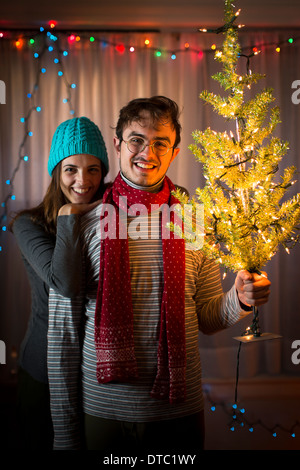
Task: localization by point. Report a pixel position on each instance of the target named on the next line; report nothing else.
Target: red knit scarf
(114, 338)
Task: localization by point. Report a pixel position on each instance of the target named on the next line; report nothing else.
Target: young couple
(123, 369)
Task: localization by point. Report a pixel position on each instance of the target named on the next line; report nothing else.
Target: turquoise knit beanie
(76, 136)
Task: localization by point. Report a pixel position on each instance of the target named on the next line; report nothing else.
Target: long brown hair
(46, 212)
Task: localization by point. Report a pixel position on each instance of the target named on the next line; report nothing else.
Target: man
(144, 300)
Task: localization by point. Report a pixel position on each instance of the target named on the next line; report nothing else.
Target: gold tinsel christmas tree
(246, 213)
(245, 218)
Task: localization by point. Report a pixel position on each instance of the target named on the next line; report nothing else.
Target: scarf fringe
(172, 387)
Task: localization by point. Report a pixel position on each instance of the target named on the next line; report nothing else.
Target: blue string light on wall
(47, 42)
(237, 419)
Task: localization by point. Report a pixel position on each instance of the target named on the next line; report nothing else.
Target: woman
(48, 238)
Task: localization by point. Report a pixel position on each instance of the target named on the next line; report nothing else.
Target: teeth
(80, 191)
(145, 165)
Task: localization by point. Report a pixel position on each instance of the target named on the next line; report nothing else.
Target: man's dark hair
(160, 109)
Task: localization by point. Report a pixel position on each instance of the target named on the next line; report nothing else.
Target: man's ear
(117, 145)
(175, 153)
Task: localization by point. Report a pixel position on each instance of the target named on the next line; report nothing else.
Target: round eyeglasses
(137, 145)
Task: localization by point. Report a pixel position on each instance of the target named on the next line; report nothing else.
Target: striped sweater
(71, 352)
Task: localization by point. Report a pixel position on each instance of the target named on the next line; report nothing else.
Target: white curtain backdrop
(105, 81)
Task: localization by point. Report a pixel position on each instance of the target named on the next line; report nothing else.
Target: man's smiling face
(145, 168)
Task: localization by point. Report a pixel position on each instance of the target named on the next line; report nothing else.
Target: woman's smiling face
(80, 178)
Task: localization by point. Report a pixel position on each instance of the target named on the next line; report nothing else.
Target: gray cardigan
(52, 263)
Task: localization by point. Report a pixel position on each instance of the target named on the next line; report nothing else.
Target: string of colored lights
(20, 38)
(51, 44)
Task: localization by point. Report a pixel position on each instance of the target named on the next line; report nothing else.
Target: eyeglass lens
(159, 147)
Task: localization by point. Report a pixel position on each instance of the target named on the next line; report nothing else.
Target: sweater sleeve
(56, 262)
(65, 337)
(64, 366)
(216, 310)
